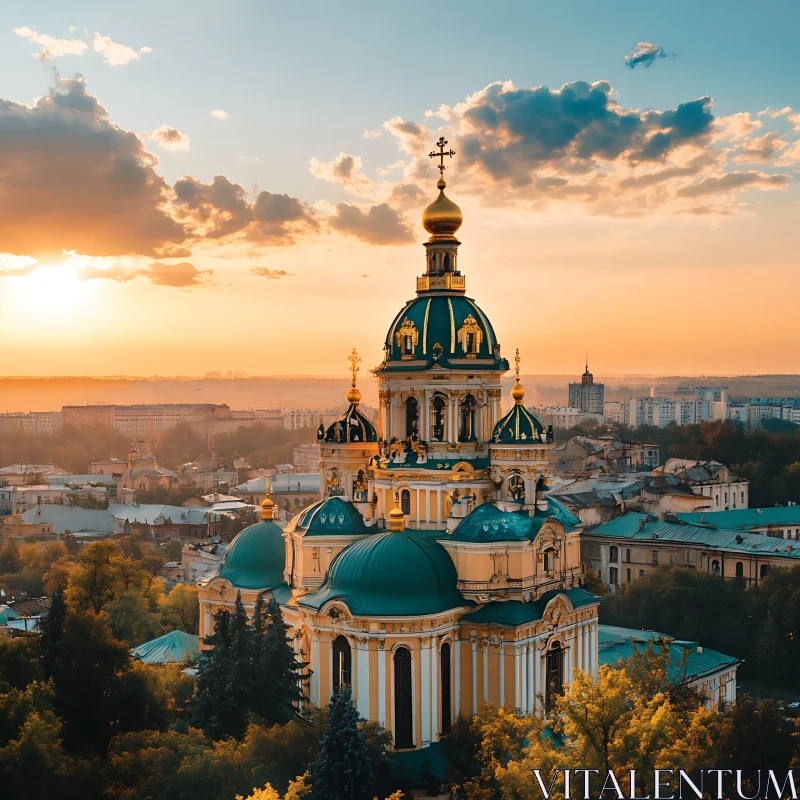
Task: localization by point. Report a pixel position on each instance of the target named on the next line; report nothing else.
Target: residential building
(779, 522)
(583, 454)
(723, 488)
(566, 417)
(294, 418)
(629, 547)
(107, 466)
(38, 423)
(306, 457)
(661, 412)
(19, 474)
(143, 473)
(209, 478)
(587, 396)
(614, 412)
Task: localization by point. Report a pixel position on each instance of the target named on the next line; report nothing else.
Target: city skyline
(242, 190)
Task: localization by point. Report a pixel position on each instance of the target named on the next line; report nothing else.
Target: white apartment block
(660, 412)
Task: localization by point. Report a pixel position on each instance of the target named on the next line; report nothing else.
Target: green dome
(332, 517)
(393, 574)
(519, 426)
(488, 523)
(352, 426)
(443, 320)
(256, 558)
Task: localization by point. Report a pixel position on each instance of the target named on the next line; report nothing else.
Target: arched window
(516, 488)
(466, 419)
(548, 560)
(412, 417)
(739, 569)
(438, 418)
(405, 501)
(764, 570)
(554, 675)
(446, 262)
(444, 669)
(403, 716)
(342, 663)
(715, 567)
(408, 345)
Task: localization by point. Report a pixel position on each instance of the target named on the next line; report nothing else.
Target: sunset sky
(195, 186)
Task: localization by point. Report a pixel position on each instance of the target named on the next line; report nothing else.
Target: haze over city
(187, 191)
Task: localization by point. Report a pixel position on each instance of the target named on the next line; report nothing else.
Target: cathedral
(435, 575)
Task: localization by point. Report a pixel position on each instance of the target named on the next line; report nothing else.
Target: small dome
(352, 426)
(487, 523)
(392, 574)
(519, 426)
(256, 558)
(332, 517)
(442, 218)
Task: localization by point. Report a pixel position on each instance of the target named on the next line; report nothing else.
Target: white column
(532, 655)
(502, 673)
(315, 667)
(517, 676)
(485, 672)
(593, 653)
(425, 422)
(435, 668)
(425, 691)
(382, 686)
(474, 678)
(417, 504)
(523, 679)
(534, 674)
(457, 646)
(362, 699)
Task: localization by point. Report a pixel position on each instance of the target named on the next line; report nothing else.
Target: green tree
(51, 629)
(181, 608)
(343, 769)
(9, 557)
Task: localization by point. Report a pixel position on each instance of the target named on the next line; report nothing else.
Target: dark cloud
(270, 274)
(71, 180)
(381, 224)
(509, 133)
(645, 54)
(732, 181)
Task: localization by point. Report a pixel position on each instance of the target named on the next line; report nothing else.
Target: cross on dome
(354, 396)
(442, 143)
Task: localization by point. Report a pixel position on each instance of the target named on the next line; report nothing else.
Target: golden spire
(442, 218)
(354, 396)
(397, 519)
(517, 390)
(267, 506)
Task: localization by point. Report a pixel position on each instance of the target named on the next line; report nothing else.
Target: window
(739, 569)
(554, 675)
(641, 573)
(627, 576)
(405, 501)
(613, 576)
(403, 718)
(613, 553)
(412, 417)
(764, 570)
(516, 488)
(408, 345)
(444, 664)
(655, 556)
(742, 498)
(342, 663)
(439, 410)
(715, 567)
(627, 555)
(548, 560)
(466, 419)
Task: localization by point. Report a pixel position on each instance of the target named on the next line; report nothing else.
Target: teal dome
(519, 426)
(488, 523)
(352, 426)
(332, 517)
(256, 558)
(444, 329)
(394, 574)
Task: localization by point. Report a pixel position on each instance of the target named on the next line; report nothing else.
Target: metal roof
(175, 647)
(746, 517)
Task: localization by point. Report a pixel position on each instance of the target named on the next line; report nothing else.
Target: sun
(52, 290)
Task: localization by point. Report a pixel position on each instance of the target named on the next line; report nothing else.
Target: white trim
(382, 687)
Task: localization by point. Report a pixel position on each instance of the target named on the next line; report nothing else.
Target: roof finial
(517, 390)
(267, 506)
(396, 517)
(354, 396)
(441, 144)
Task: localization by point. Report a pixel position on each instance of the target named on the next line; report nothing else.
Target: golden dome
(354, 396)
(517, 391)
(442, 218)
(267, 507)
(397, 519)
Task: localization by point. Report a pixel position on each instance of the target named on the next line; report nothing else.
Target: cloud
(114, 53)
(169, 138)
(389, 168)
(270, 274)
(182, 275)
(732, 181)
(412, 137)
(344, 170)
(72, 180)
(761, 150)
(219, 114)
(736, 126)
(646, 54)
(52, 47)
(371, 134)
(380, 224)
(774, 113)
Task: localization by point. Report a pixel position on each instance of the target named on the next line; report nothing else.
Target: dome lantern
(396, 517)
(353, 426)
(267, 506)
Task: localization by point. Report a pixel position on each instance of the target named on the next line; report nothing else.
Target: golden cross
(441, 154)
(354, 362)
(516, 361)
